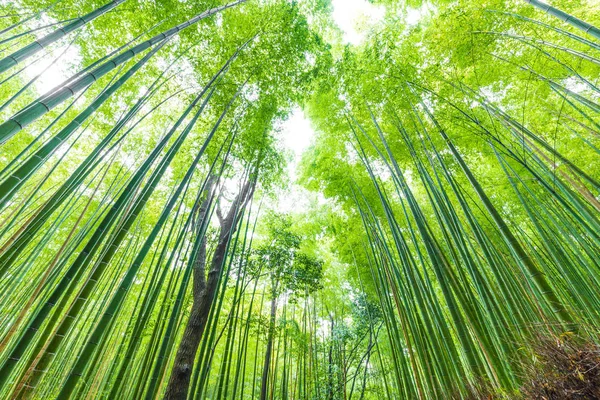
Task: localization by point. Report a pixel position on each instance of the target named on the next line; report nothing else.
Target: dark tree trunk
(184, 360)
(267, 365)
(204, 293)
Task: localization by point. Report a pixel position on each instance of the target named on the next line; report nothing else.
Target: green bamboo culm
(453, 199)
(92, 246)
(115, 302)
(568, 18)
(17, 178)
(40, 44)
(536, 274)
(56, 97)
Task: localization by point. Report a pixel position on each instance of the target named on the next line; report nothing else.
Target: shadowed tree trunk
(204, 291)
(265, 375)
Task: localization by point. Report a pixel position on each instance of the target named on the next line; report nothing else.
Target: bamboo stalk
(569, 19)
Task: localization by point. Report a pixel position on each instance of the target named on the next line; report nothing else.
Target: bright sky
(297, 135)
(348, 14)
(57, 72)
(53, 72)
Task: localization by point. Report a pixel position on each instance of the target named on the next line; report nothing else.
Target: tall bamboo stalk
(39, 44)
(54, 98)
(569, 19)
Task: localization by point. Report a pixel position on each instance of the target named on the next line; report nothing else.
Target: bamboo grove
(446, 222)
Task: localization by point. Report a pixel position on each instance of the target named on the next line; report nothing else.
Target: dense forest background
(165, 234)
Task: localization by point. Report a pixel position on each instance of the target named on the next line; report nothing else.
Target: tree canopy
(438, 238)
